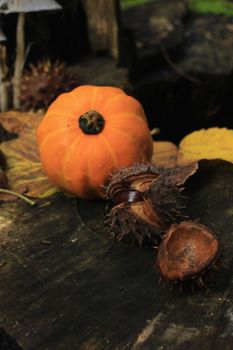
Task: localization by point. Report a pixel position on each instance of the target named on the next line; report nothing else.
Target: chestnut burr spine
(145, 201)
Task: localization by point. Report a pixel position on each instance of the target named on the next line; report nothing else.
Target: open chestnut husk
(187, 251)
(145, 201)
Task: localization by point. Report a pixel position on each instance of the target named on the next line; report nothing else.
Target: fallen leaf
(2, 160)
(6, 135)
(19, 122)
(24, 171)
(165, 154)
(3, 177)
(212, 143)
(180, 174)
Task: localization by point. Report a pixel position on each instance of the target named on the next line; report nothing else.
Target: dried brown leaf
(165, 154)
(17, 122)
(24, 169)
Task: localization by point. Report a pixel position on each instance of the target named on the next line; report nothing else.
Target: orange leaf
(165, 154)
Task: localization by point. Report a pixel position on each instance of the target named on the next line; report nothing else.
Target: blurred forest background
(175, 56)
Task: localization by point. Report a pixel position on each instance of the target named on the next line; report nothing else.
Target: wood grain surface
(67, 285)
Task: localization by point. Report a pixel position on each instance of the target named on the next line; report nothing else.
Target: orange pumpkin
(87, 134)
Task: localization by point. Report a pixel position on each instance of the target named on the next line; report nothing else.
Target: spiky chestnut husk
(187, 252)
(145, 200)
(43, 82)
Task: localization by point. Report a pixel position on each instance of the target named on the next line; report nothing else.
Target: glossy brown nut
(187, 250)
(129, 196)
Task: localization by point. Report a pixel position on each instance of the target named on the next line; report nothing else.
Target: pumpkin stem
(91, 122)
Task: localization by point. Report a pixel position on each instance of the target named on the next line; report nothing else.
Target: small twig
(176, 68)
(21, 196)
(46, 242)
(18, 259)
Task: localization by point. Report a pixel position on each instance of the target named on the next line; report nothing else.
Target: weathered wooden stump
(7, 342)
(182, 66)
(155, 24)
(65, 284)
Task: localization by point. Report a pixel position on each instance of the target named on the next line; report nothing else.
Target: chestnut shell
(145, 201)
(187, 251)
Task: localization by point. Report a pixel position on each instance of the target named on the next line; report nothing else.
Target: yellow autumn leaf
(212, 143)
(24, 169)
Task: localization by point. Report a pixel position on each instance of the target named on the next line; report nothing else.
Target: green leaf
(125, 4)
(212, 6)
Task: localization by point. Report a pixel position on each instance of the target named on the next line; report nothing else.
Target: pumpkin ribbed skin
(81, 163)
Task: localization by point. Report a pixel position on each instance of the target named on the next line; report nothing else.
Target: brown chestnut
(187, 251)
